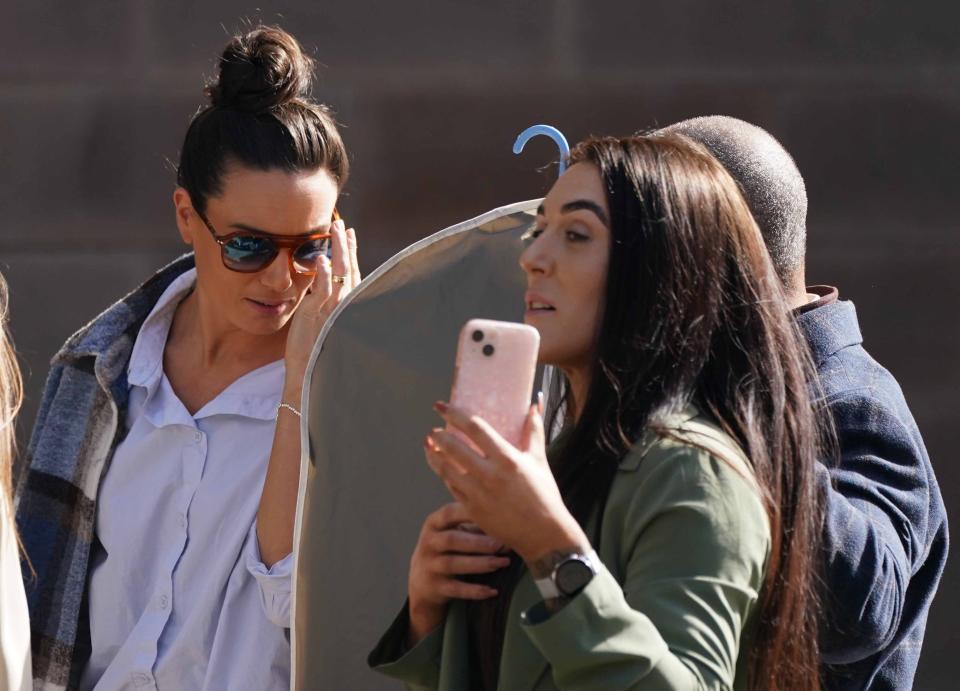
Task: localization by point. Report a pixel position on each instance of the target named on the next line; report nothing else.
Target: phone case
(496, 365)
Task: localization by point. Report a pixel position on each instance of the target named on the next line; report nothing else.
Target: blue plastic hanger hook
(548, 131)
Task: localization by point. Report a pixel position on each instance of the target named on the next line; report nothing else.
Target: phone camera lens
(488, 350)
(478, 335)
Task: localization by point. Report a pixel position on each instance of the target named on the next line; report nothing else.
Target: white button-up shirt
(179, 598)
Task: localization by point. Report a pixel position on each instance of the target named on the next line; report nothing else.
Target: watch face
(573, 576)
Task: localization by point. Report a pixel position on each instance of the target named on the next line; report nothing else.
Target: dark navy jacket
(886, 525)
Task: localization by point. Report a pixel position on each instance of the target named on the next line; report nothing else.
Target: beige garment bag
(384, 357)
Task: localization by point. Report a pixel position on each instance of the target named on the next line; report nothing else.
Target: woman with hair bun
(158, 506)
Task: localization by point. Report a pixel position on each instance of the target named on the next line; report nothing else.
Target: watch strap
(548, 589)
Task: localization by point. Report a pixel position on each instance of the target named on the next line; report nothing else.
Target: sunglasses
(249, 251)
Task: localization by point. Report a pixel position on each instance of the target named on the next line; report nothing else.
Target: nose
(278, 275)
(536, 259)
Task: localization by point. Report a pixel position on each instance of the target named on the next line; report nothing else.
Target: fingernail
(540, 402)
(440, 407)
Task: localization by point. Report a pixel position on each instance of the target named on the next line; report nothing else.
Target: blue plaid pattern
(76, 432)
(885, 533)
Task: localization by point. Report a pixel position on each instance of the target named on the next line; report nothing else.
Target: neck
(796, 290)
(579, 380)
(798, 299)
(214, 341)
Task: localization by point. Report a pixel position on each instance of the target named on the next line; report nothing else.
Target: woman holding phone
(159, 503)
(667, 539)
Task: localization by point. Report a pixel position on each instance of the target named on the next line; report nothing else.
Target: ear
(183, 208)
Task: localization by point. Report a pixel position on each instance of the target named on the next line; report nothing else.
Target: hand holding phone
(495, 368)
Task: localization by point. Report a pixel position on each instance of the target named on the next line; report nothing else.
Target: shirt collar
(254, 395)
(146, 359)
(825, 295)
(830, 329)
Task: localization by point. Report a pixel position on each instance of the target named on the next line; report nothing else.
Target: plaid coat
(77, 429)
(885, 535)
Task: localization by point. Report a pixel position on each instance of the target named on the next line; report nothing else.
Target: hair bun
(261, 70)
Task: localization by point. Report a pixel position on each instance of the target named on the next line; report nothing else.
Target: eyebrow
(581, 205)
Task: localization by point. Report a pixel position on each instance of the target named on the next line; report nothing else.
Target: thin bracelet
(290, 408)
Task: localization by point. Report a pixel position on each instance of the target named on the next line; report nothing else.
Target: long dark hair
(260, 115)
(694, 313)
(11, 398)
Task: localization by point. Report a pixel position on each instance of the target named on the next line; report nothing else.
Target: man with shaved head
(885, 533)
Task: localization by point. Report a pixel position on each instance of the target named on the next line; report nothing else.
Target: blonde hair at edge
(11, 396)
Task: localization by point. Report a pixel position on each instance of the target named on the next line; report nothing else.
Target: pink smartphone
(496, 365)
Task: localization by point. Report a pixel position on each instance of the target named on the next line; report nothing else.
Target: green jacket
(684, 548)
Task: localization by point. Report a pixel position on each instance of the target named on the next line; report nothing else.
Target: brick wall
(95, 97)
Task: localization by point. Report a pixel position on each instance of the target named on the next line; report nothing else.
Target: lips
(537, 303)
(272, 307)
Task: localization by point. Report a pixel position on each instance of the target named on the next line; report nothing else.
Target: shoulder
(854, 384)
(867, 398)
(853, 369)
(693, 444)
(123, 318)
(845, 368)
(689, 505)
(695, 467)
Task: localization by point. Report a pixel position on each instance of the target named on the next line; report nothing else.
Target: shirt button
(141, 679)
(198, 437)
(164, 601)
(182, 520)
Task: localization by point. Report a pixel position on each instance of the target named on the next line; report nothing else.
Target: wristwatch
(571, 574)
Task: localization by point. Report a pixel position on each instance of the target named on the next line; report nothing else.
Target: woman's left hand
(335, 278)
(278, 500)
(509, 492)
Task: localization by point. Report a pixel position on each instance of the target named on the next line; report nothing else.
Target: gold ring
(340, 279)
